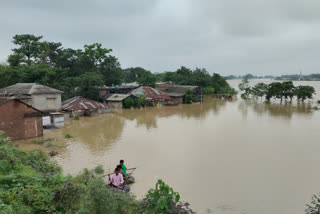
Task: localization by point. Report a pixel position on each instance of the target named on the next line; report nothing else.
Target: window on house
(51, 102)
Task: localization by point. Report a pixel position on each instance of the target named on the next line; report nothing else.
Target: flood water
(223, 157)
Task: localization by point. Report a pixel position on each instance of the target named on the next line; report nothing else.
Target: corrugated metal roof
(29, 89)
(118, 97)
(180, 89)
(80, 103)
(150, 93)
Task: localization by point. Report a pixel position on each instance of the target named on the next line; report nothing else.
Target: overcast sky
(224, 36)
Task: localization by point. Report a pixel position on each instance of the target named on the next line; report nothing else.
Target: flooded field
(224, 157)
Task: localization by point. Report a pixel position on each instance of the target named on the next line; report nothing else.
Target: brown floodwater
(224, 157)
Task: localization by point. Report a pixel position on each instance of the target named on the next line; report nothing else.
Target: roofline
(24, 104)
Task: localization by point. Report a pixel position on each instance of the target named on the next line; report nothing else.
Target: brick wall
(15, 124)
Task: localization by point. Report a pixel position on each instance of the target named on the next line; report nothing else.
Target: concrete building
(116, 100)
(41, 97)
(79, 106)
(19, 120)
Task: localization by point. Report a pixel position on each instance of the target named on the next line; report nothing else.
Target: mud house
(80, 106)
(19, 120)
(116, 100)
(41, 97)
(178, 92)
(152, 95)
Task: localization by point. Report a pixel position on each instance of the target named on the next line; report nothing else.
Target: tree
(128, 102)
(245, 88)
(141, 101)
(133, 74)
(29, 47)
(208, 90)
(259, 90)
(189, 97)
(274, 90)
(304, 92)
(147, 79)
(288, 90)
(88, 85)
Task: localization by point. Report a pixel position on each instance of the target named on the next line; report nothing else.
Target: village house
(79, 106)
(41, 97)
(116, 100)
(106, 92)
(178, 92)
(19, 120)
(153, 96)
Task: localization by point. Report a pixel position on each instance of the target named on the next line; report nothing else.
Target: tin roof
(179, 90)
(80, 103)
(29, 89)
(150, 93)
(118, 97)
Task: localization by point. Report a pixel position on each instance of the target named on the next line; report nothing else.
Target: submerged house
(116, 100)
(79, 106)
(152, 95)
(178, 92)
(106, 92)
(19, 120)
(41, 97)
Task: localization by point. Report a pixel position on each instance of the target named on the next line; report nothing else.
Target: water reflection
(148, 116)
(284, 110)
(249, 170)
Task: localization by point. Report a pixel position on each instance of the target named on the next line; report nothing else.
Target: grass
(68, 136)
(40, 142)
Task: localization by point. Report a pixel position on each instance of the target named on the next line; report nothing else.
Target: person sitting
(124, 168)
(116, 179)
(121, 170)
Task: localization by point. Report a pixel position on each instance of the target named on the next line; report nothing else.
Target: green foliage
(198, 77)
(147, 79)
(245, 88)
(43, 141)
(68, 136)
(189, 97)
(141, 101)
(314, 207)
(76, 118)
(208, 90)
(99, 170)
(278, 90)
(162, 199)
(304, 92)
(31, 183)
(128, 102)
(259, 90)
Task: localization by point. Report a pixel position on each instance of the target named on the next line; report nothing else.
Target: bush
(31, 183)
(128, 102)
(208, 90)
(68, 136)
(141, 101)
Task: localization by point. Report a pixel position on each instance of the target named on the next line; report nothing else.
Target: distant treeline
(292, 77)
(80, 71)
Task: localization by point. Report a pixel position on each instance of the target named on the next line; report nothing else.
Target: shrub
(141, 101)
(162, 199)
(128, 103)
(68, 136)
(208, 90)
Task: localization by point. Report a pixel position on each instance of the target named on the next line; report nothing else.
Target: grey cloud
(228, 37)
